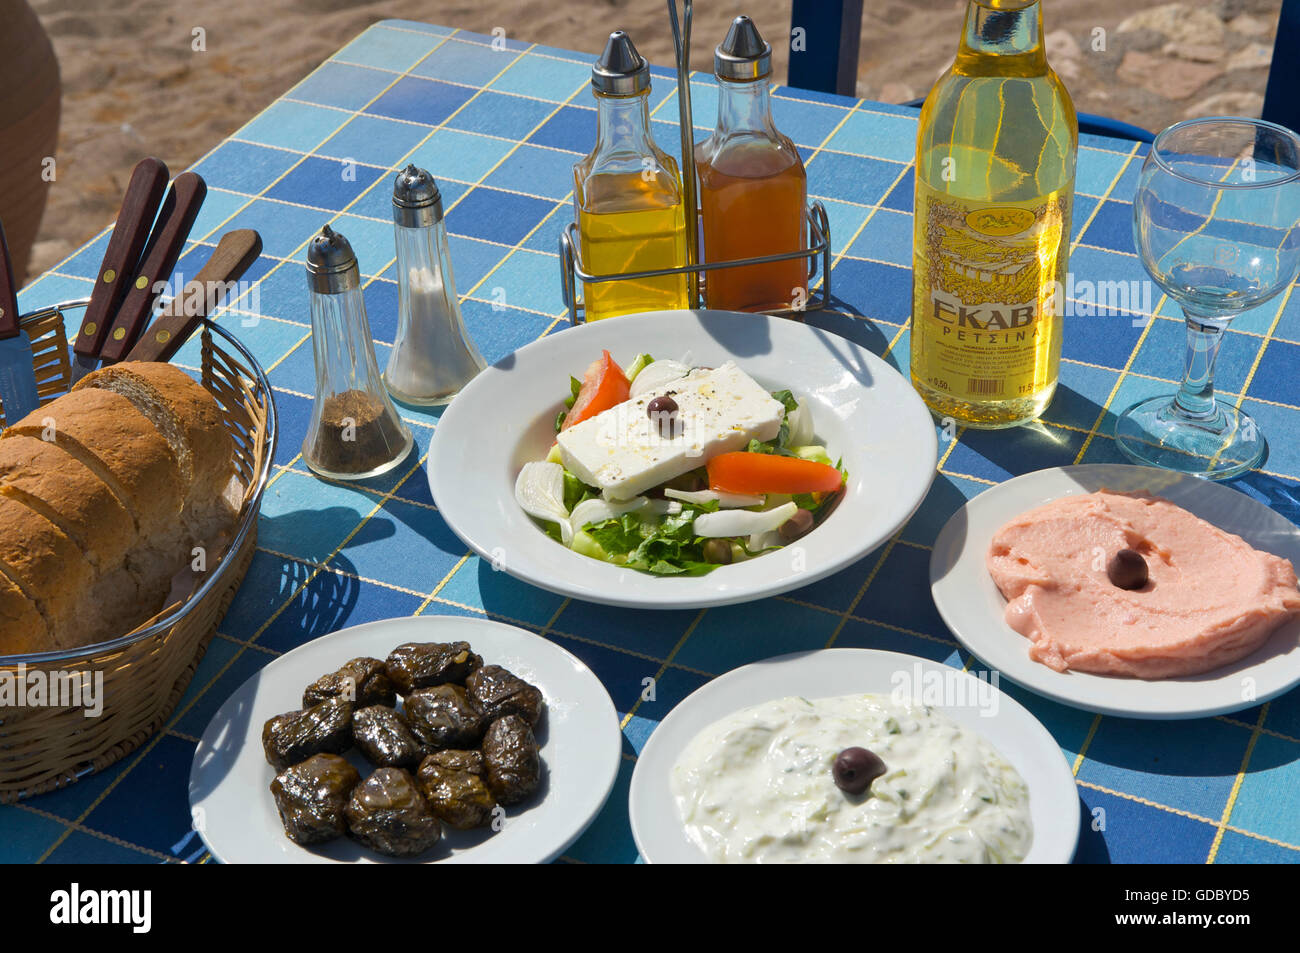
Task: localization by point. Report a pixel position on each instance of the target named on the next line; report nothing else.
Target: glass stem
(1195, 398)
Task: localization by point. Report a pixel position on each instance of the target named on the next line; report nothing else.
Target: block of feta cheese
(623, 452)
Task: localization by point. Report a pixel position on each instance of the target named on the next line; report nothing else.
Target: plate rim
(619, 592)
(581, 669)
(1063, 775)
(1040, 683)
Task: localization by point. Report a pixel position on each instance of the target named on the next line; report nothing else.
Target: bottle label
(984, 304)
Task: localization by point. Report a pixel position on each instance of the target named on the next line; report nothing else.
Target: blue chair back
(825, 37)
(824, 40)
(1282, 95)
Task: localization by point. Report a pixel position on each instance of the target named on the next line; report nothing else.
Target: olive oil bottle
(627, 195)
(995, 162)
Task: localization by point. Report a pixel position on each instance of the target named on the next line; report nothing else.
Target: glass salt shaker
(354, 432)
(433, 356)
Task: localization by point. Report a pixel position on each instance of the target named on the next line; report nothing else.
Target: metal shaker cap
(744, 56)
(417, 203)
(331, 264)
(621, 70)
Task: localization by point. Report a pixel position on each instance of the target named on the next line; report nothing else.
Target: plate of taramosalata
(852, 756)
(682, 458)
(1125, 590)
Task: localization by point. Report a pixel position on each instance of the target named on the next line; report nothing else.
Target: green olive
(717, 551)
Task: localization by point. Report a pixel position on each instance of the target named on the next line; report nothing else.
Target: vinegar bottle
(627, 195)
(753, 188)
(995, 158)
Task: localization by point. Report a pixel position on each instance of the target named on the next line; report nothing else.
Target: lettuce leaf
(575, 387)
(668, 547)
(575, 491)
(617, 536)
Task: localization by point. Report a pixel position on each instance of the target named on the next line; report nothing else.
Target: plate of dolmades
(430, 739)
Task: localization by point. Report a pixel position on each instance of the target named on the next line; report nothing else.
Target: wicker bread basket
(145, 672)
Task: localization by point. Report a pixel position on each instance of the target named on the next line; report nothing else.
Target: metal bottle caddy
(572, 269)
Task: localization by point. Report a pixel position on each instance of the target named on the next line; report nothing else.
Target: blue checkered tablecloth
(500, 126)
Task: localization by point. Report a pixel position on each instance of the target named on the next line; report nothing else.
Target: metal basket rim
(249, 520)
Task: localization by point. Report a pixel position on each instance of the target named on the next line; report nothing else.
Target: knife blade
(179, 211)
(17, 375)
(235, 253)
(144, 193)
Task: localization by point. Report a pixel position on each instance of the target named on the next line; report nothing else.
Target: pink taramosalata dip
(1210, 599)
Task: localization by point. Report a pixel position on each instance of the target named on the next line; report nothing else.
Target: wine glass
(1216, 221)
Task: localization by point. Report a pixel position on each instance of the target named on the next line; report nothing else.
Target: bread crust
(207, 451)
(22, 630)
(46, 565)
(104, 431)
(49, 480)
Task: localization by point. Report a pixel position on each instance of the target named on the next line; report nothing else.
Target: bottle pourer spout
(743, 56)
(621, 70)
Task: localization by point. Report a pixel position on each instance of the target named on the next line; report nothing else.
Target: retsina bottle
(995, 158)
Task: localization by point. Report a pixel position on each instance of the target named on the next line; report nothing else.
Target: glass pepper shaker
(354, 432)
(433, 356)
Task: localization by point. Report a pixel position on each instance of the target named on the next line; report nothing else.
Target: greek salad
(676, 470)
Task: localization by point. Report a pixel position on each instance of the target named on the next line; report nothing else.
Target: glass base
(320, 469)
(1152, 432)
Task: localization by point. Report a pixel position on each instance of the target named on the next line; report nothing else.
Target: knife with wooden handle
(134, 221)
(160, 257)
(17, 375)
(235, 253)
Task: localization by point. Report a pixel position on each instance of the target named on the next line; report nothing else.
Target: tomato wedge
(755, 473)
(603, 385)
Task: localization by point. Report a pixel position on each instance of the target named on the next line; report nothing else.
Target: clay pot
(29, 125)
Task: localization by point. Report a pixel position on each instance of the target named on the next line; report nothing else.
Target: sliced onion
(728, 501)
(657, 374)
(801, 425)
(726, 523)
(761, 541)
(539, 491)
(597, 510)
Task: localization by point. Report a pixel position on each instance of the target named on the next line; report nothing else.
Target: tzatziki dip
(759, 787)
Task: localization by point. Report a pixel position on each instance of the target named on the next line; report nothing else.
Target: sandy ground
(134, 84)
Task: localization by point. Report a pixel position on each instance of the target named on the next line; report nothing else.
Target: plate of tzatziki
(852, 756)
(682, 459)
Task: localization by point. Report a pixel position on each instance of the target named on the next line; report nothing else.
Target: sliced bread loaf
(104, 495)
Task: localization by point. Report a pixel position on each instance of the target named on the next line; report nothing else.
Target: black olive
(855, 769)
(691, 482)
(1127, 569)
(717, 551)
(663, 411)
(795, 526)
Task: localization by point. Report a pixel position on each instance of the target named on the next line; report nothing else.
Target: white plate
(973, 607)
(580, 742)
(1014, 732)
(863, 410)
